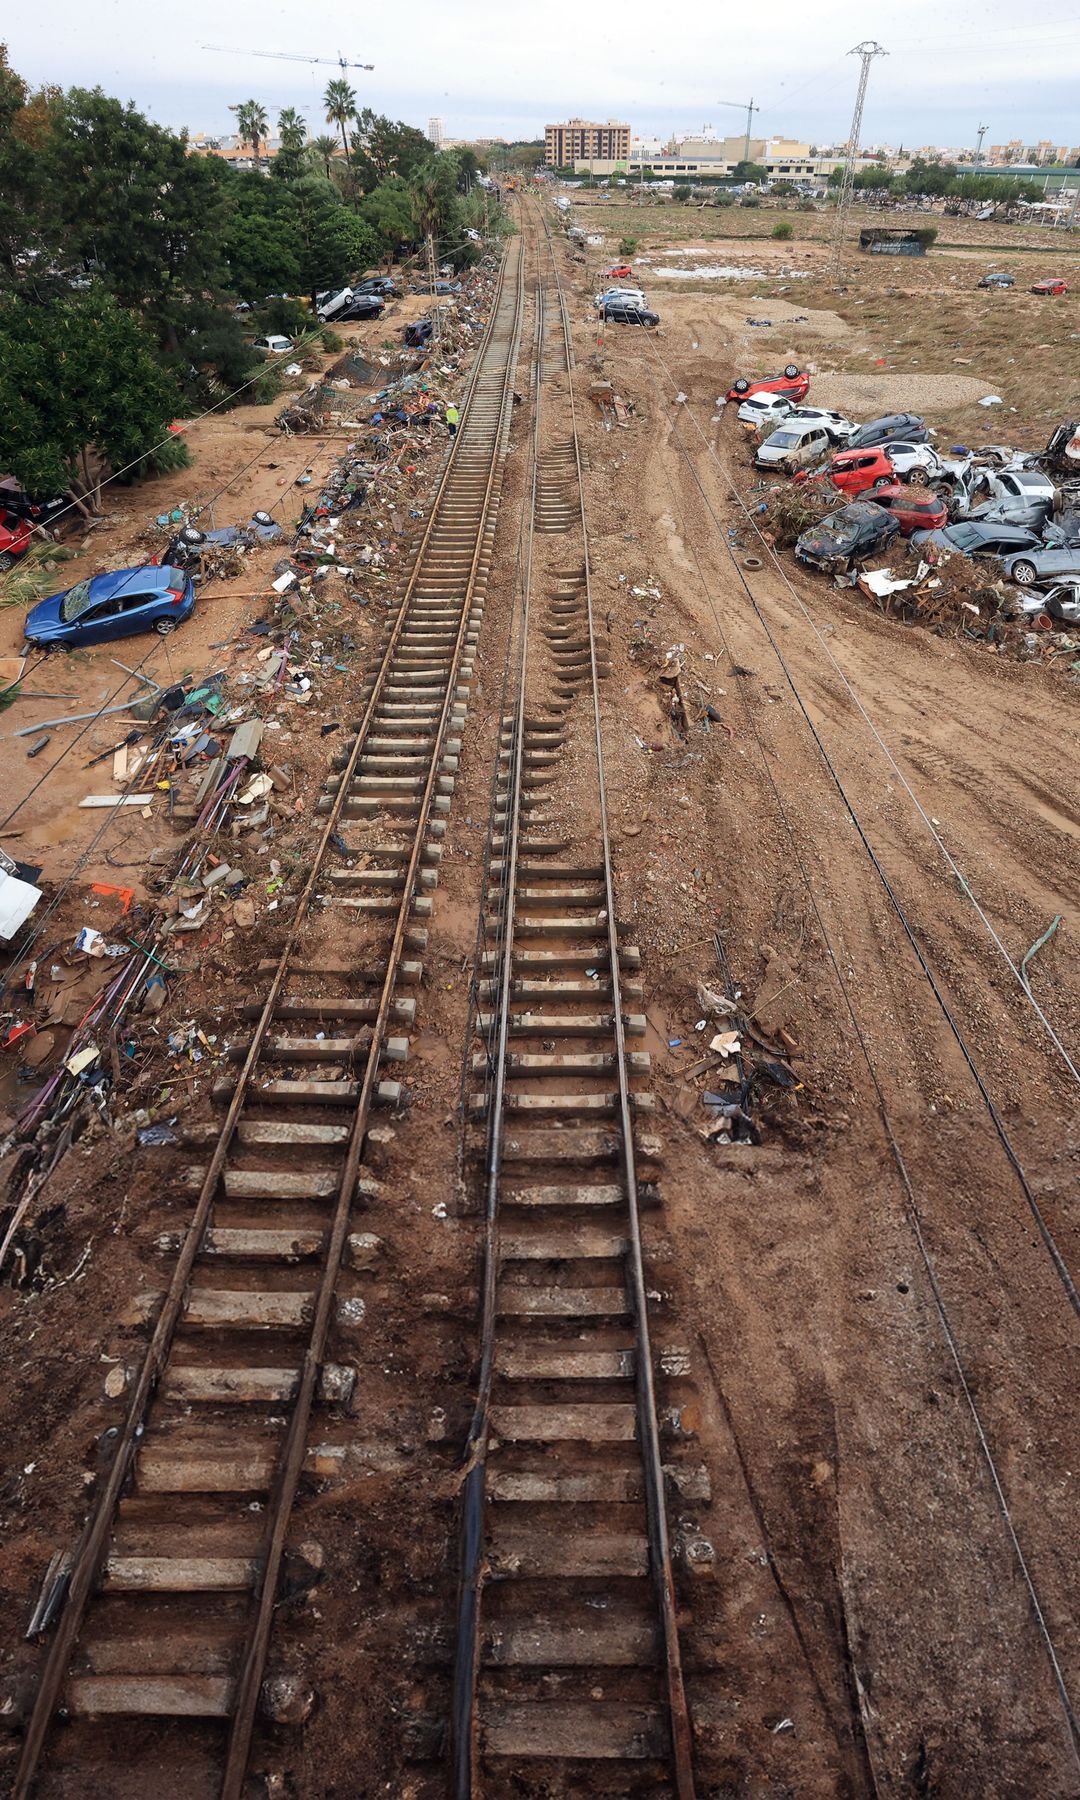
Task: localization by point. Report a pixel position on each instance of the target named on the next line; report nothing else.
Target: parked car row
(993, 502)
(1051, 284)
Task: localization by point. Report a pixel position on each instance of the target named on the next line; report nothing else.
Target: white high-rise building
(435, 132)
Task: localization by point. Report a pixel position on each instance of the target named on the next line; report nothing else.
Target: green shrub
(750, 200)
(168, 459)
(724, 199)
(682, 193)
(285, 316)
(330, 340)
(269, 384)
(807, 205)
(627, 246)
(783, 229)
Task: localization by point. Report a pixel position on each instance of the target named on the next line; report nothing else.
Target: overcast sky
(505, 71)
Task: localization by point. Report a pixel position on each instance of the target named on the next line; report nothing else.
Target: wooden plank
(263, 1246)
(562, 1242)
(170, 1652)
(563, 1303)
(179, 1574)
(543, 1486)
(219, 1385)
(248, 1308)
(586, 1424)
(555, 1362)
(602, 1194)
(167, 1471)
(575, 1555)
(272, 1184)
(608, 1643)
(567, 1728)
(161, 1696)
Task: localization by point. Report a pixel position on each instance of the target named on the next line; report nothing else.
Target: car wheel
(1024, 573)
(164, 626)
(884, 481)
(791, 371)
(918, 476)
(741, 387)
(7, 561)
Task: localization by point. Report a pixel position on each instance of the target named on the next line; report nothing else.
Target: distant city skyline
(479, 72)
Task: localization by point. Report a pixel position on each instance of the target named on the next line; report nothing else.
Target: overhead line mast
(867, 51)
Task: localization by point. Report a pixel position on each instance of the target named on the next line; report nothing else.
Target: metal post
(867, 51)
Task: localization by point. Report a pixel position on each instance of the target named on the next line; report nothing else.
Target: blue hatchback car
(112, 606)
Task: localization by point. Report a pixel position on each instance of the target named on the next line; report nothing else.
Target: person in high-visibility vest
(452, 417)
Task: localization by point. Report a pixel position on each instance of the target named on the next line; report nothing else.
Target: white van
(797, 444)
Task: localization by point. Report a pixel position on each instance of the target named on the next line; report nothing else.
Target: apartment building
(584, 141)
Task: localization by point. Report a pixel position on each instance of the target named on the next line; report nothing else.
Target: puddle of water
(715, 272)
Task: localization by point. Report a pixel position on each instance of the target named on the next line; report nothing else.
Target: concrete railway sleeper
(567, 1673)
(161, 1646)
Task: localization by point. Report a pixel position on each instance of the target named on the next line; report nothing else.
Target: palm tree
(252, 123)
(291, 129)
(324, 149)
(340, 103)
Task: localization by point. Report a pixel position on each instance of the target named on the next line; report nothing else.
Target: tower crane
(751, 109)
(291, 56)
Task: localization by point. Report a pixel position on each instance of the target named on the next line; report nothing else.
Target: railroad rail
(160, 1652)
(567, 1657)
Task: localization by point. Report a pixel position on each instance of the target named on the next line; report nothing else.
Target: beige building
(583, 141)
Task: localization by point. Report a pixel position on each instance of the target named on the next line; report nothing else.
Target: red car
(852, 471)
(1053, 285)
(915, 508)
(794, 384)
(621, 272)
(14, 539)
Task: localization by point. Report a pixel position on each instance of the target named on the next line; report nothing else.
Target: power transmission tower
(867, 51)
(983, 129)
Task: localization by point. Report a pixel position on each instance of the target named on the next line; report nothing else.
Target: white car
(274, 345)
(620, 296)
(764, 410)
(915, 462)
(838, 428)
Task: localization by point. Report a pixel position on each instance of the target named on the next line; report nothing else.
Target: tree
(333, 242)
(386, 147)
(22, 125)
(323, 150)
(388, 210)
(133, 206)
(252, 124)
(261, 243)
(749, 171)
(340, 103)
(78, 376)
(875, 178)
(289, 162)
(435, 206)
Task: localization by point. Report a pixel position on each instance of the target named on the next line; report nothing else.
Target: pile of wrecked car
(1016, 509)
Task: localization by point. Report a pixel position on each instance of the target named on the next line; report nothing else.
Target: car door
(98, 623)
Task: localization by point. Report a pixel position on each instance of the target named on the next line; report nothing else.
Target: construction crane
(867, 51)
(291, 56)
(751, 109)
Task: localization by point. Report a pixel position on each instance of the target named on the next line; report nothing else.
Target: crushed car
(793, 384)
(842, 538)
(916, 509)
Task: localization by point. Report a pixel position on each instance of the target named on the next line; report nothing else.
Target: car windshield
(783, 440)
(967, 537)
(75, 602)
(759, 405)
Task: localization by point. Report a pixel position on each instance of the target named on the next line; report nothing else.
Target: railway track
(568, 1675)
(160, 1652)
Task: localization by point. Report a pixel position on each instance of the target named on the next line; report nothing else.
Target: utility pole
(436, 312)
(867, 51)
(983, 129)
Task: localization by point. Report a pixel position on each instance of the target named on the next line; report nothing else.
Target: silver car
(1050, 562)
